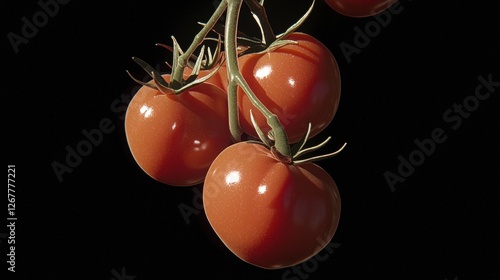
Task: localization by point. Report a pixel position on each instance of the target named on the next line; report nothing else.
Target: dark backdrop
(107, 220)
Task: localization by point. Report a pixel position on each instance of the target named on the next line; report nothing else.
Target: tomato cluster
(237, 120)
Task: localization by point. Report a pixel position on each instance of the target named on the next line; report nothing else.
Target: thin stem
(260, 15)
(230, 35)
(320, 157)
(177, 73)
(261, 134)
(235, 79)
(312, 149)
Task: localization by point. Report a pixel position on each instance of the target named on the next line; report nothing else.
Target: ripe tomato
(300, 83)
(218, 79)
(359, 8)
(175, 138)
(269, 213)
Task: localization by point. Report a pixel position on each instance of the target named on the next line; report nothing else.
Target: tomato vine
(268, 42)
(185, 106)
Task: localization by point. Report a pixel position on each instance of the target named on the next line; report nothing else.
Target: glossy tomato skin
(300, 83)
(268, 213)
(360, 8)
(218, 79)
(175, 138)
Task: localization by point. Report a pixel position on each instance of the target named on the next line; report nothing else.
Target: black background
(107, 217)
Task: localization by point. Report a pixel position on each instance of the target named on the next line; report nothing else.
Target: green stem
(235, 79)
(230, 35)
(259, 12)
(178, 72)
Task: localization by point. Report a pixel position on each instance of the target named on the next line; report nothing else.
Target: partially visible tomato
(300, 83)
(175, 138)
(359, 8)
(218, 79)
(269, 213)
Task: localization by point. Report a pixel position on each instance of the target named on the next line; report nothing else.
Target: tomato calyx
(259, 14)
(269, 41)
(298, 150)
(176, 86)
(280, 39)
(211, 60)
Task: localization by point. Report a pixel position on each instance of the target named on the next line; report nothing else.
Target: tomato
(300, 83)
(360, 8)
(218, 79)
(269, 213)
(175, 138)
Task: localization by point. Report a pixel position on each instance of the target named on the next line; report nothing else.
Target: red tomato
(269, 213)
(359, 8)
(175, 138)
(300, 83)
(218, 79)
